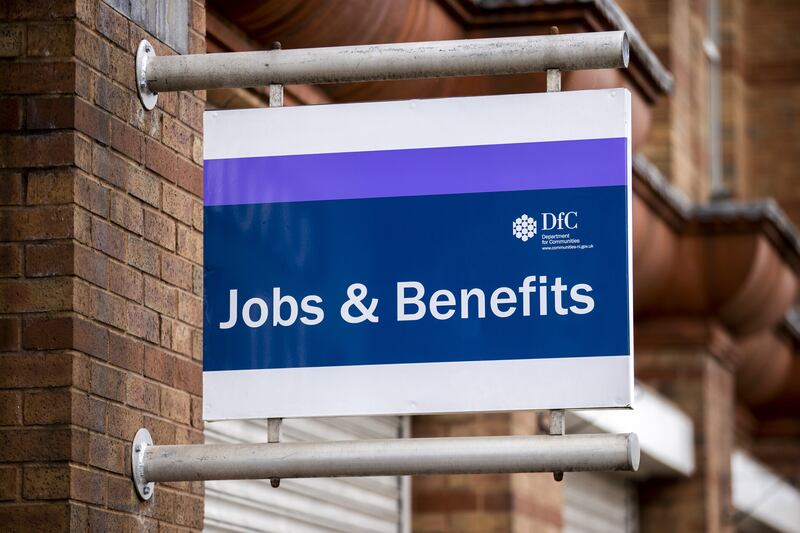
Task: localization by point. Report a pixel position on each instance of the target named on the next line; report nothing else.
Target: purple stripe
(416, 172)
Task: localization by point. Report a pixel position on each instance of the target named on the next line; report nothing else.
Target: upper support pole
(401, 61)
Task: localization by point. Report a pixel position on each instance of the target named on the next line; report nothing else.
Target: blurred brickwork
(100, 270)
(487, 502)
(759, 49)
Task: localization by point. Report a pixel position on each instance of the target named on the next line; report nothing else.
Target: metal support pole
(558, 428)
(274, 437)
(274, 424)
(345, 64)
(391, 457)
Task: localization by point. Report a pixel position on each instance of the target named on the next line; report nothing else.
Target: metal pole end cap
(144, 54)
(626, 50)
(140, 443)
(634, 452)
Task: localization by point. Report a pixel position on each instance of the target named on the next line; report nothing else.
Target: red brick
(127, 140)
(9, 334)
(92, 50)
(143, 394)
(40, 444)
(35, 370)
(189, 376)
(159, 229)
(11, 40)
(87, 486)
(83, 152)
(121, 495)
(47, 407)
(176, 271)
(92, 266)
(143, 255)
(10, 260)
(51, 40)
(108, 382)
(176, 336)
(50, 187)
(109, 239)
(145, 186)
(125, 352)
(123, 422)
(161, 160)
(159, 365)
(160, 297)
(92, 121)
(10, 408)
(45, 482)
(89, 412)
(127, 212)
(10, 188)
(143, 323)
(112, 24)
(112, 168)
(197, 413)
(91, 195)
(109, 309)
(198, 18)
(10, 112)
(190, 244)
(51, 259)
(35, 10)
(49, 112)
(85, 80)
(8, 483)
(113, 98)
(126, 282)
(33, 295)
(42, 150)
(47, 333)
(169, 102)
(190, 177)
(190, 111)
(177, 136)
(34, 223)
(189, 511)
(197, 280)
(162, 431)
(176, 405)
(197, 219)
(82, 222)
(24, 517)
(37, 78)
(107, 453)
(178, 204)
(107, 521)
(123, 68)
(197, 45)
(190, 309)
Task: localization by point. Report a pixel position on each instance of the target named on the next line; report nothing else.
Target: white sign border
(422, 388)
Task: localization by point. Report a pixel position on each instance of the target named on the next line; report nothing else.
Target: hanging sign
(425, 256)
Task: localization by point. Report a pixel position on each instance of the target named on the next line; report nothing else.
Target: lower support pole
(391, 457)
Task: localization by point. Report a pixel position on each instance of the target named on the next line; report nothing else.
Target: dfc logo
(524, 228)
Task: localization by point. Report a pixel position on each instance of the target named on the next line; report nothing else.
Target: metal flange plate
(140, 443)
(144, 53)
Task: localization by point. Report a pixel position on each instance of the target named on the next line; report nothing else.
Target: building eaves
(616, 18)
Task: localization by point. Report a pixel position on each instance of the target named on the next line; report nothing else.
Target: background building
(101, 269)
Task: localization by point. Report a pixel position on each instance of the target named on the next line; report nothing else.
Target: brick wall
(691, 364)
(489, 502)
(678, 139)
(100, 271)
